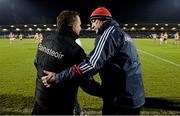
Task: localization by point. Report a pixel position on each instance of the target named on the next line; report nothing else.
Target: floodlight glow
(35, 25)
(25, 25)
(17, 29)
(166, 24)
(153, 28)
(157, 24)
(132, 29)
(143, 28)
(89, 28)
(54, 25)
(44, 25)
(173, 28)
(30, 29)
(178, 24)
(162, 28)
(126, 24)
(124, 28)
(4, 29)
(39, 29)
(48, 29)
(135, 24)
(12, 26)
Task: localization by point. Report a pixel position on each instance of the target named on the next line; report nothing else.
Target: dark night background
(124, 11)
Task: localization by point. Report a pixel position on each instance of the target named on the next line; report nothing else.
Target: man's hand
(48, 79)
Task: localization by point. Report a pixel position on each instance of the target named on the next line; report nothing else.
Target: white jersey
(78, 42)
(176, 36)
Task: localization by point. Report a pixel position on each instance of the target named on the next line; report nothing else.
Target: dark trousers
(38, 110)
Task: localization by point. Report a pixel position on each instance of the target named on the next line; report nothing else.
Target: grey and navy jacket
(57, 52)
(116, 59)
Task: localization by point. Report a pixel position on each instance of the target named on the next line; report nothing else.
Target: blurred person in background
(165, 37)
(20, 36)
(161, 38)
(11, 38)
(36, 37)
(176, 38)
(116, 60)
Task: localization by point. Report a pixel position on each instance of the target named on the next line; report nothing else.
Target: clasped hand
(48, 78)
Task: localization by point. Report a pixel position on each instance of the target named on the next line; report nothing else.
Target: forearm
(67, 74)
(90, 86)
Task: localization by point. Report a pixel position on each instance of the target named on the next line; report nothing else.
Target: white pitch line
(168, 61)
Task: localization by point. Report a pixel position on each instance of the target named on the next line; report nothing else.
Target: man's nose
(92, 26)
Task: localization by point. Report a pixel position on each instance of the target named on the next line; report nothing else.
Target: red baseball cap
(101, 13)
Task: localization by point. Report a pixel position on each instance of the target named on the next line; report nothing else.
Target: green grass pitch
(160, 67)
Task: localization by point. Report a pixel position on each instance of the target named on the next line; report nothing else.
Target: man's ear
(99, 22)
(73, 27)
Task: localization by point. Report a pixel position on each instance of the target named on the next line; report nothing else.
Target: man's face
(77, 26)
(96, 24)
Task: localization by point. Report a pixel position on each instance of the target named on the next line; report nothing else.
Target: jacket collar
(69, 32)
(106, 25)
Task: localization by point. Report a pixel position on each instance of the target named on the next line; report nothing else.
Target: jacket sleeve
(104, 49)
(90, 86)
(67, 74)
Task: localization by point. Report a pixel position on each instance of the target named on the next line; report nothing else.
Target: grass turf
(161, 78)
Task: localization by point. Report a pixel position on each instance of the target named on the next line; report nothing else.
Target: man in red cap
(116, 59)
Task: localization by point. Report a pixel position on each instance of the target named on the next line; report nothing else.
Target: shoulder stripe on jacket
(84, 68)
(100, 46)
